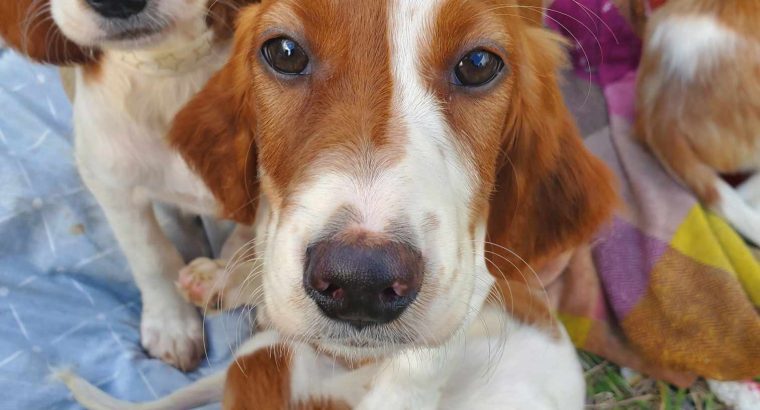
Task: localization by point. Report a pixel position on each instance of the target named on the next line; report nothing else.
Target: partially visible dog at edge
(698, 103)
(137, 62)
(404, 164)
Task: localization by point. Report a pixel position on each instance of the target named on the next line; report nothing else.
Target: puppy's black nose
(118, 9)
(362, 284)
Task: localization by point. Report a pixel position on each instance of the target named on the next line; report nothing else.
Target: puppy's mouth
(140, 30)
(375, 338)
(137, 34)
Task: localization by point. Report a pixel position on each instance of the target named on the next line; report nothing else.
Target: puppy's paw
(203, 284)
(173, 332)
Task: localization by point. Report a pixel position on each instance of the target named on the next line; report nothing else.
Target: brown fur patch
(543, 191)
(259, 381)
(28, 27)
(709, 123)
(214, 132)
(341, 110)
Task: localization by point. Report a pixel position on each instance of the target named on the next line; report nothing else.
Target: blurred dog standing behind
(698, 102)
(136, 63)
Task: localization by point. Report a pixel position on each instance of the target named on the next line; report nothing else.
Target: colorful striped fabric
(667, 287)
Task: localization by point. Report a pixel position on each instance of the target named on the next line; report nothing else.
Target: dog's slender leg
(749, 190)
(226, 283)
(170, 327)
(734, 209)
(680, 160)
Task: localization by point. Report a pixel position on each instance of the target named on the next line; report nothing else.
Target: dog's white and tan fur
(128, 89)
(699, 102)
(375, 139)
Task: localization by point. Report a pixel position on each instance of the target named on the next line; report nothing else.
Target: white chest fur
(122, 116)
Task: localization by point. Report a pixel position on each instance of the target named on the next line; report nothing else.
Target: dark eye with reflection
(285, 56)
(478, 67)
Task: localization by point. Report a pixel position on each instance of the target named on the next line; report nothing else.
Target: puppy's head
(72, 31)
(381, 147)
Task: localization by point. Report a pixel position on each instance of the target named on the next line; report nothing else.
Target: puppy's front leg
(170, 327)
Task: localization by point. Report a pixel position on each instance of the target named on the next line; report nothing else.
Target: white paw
(173, 332)
(203, 284)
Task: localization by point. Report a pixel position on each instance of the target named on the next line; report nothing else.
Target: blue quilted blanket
(66, 294)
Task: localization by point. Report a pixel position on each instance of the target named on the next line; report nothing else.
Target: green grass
(608, 389)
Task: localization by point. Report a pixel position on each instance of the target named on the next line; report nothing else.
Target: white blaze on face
(440, 176)
(432, 176)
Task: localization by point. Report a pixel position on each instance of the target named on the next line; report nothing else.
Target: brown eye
(478, 67)
(285, 56)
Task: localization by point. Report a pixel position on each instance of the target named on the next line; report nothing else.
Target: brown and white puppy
(138, 62)
(699, 102)
(387, 151)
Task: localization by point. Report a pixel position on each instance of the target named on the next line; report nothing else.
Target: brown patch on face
(28, 27)
(335, 118)
(337, 113)
(543, 192)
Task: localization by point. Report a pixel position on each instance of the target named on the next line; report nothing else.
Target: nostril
(395, 293)
(320, 285)
(400, 289)
(388, 295)
(334, 292)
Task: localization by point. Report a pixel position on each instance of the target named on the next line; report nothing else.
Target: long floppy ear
(214, 132)
(28, 27)
(551, 193)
